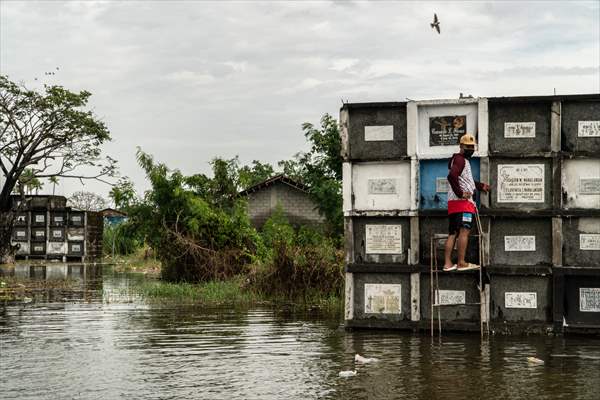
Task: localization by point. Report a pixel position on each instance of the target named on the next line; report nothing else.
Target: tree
(321, 170)
(123, 194)
(54, 181)
(49, 133)
(87, 201)
(27, 183)
(252, 175)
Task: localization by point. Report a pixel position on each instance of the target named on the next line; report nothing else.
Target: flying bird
(436, 23)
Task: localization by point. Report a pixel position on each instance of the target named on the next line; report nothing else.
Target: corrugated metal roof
(269, 182)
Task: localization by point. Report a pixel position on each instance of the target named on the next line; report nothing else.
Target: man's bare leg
(448, 251)
(461, 247)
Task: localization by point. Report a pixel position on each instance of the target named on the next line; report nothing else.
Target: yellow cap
(468, 139)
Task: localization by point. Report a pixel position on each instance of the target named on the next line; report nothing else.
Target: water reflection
(113, 347)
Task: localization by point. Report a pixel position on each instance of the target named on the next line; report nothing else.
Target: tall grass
(212, 293)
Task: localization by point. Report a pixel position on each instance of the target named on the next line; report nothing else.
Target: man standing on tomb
(461, 204)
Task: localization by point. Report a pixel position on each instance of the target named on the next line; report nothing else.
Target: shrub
(299, 262)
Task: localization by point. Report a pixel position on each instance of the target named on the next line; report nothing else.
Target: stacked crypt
(540, 221)
(45, 228)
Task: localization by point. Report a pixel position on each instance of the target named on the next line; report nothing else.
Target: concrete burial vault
(540, 243)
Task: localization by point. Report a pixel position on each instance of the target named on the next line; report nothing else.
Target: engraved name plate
(516, 130)
(441, 185)
(379, 133)
(446, 297)
(520, 183)
(383, 239)
(589, 299)
(589, 185)
(382, 186)
(589, 241)
(588, 129)
(519, 243)
(520, 300)
(382, 298)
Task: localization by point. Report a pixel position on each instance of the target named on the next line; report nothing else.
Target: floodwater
(100, 341)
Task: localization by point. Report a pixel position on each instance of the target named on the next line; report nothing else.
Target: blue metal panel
(429, 172)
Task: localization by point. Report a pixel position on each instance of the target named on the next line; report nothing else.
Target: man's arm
(458, 164)
(482, 186)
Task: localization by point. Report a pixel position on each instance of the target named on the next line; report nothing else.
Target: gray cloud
(188, 81)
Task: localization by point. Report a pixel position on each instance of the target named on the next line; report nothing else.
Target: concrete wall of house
(297, 205)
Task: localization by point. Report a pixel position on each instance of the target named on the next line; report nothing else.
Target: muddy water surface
(100, 341)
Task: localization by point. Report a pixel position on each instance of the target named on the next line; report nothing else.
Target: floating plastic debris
(347, 374)
(533, 360)
(364, 360)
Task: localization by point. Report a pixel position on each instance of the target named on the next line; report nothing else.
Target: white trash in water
(364, 360)
(347, 374)
(533, 360)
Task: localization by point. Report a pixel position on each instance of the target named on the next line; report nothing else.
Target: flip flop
(452, 268)
(468, 267)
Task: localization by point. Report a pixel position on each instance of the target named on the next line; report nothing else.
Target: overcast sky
(190, 80)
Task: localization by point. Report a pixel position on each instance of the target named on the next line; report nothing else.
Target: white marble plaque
(448, 297)
(40, 218)
(379, 133)
(442, 185)
(20, 233)
(519, 243)
(76, 218)
(517, 130)
(383, 298)
(589, 241)
(76, 248)
(40, 233)
(58, 218)
(56, 248)
(383, 239)
(520, 183)
(382, 186)
(589, 185)
(75, 234)
(589, 299)
(520, 300)
(38, 248)
(56, 233)
(588, 129)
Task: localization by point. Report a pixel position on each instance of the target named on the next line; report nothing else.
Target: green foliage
(123, 194)
(195, 239)
(258, 172)
(321, 170)
(123, 239)
(298, 263)
(230, 292)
